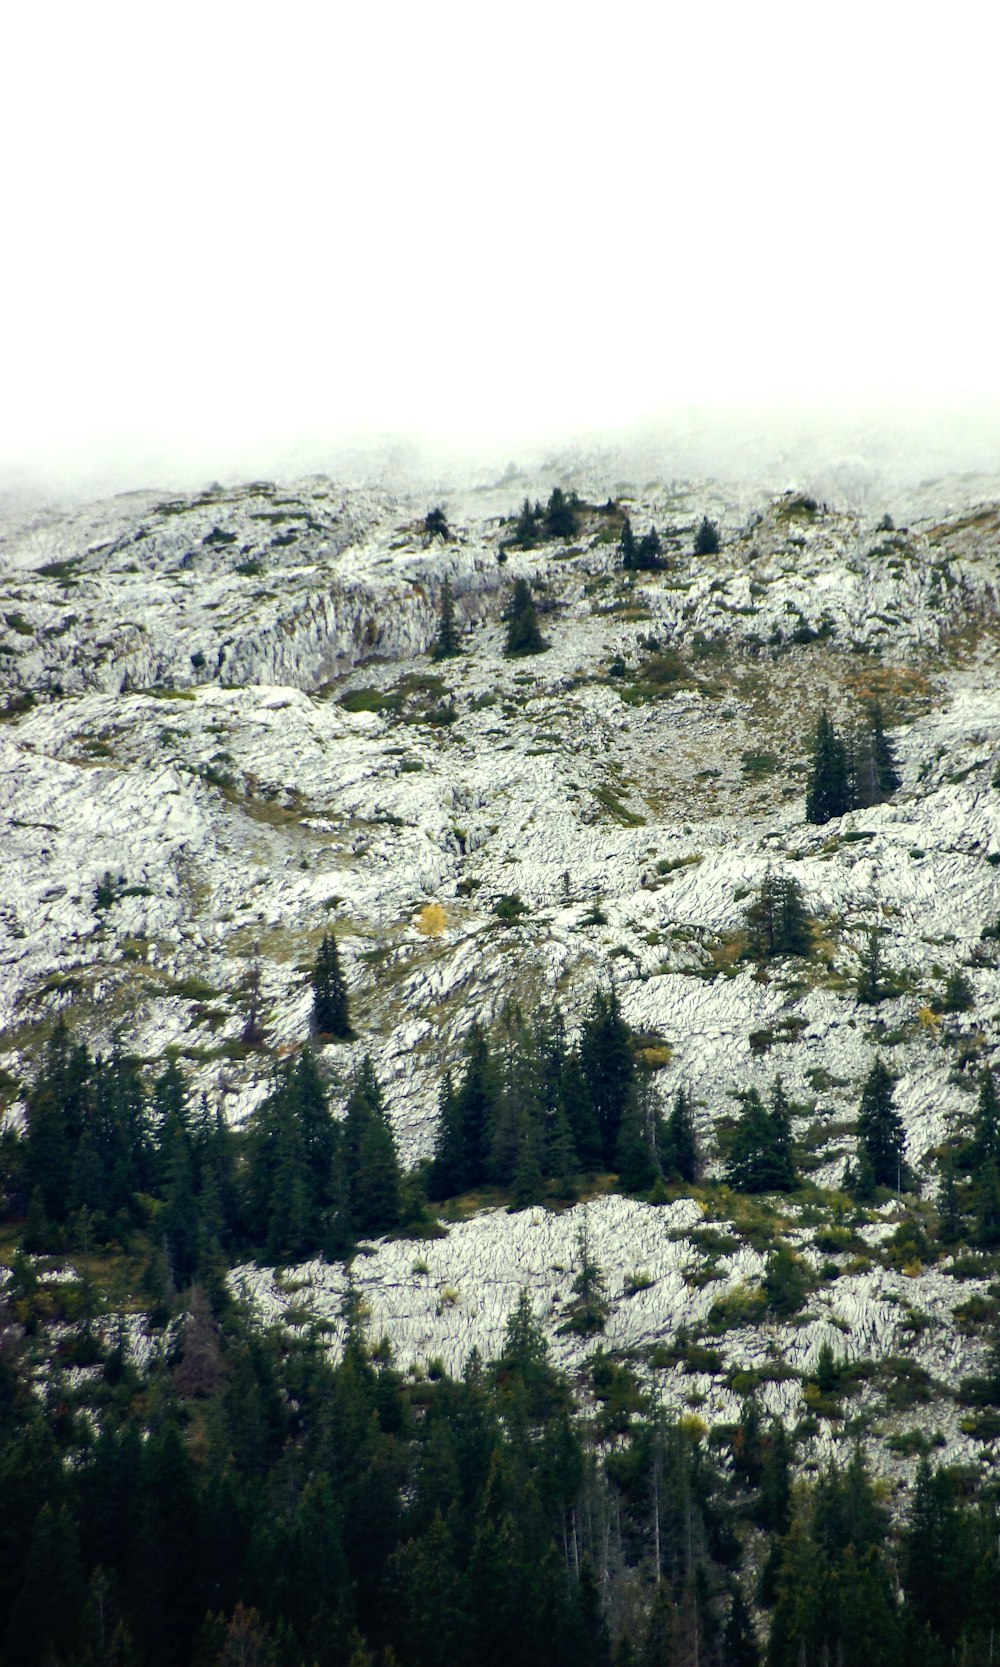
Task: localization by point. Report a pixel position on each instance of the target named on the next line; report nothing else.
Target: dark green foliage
(637, 1146)
(679, 1155)
(560, 514)
(436, 523)
(589, 1309)
(777, 922)
(828, 792)
(959, 996)
(448, 641)
(706, 539)
(871, 977)
(609, 1071)
(852, 772)
(886, 774)
(260, 1504)
(523, 634)
(371, 1200)
(880, 1129)
(760, 1156)
(627, 547)
(526, 533)
(467, 1123)
(986, 1123)
(646, 553)
(836, 1597)
(331, 1015)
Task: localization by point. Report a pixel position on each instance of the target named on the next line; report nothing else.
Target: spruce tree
(887, 775)
(370, 1161)
(650, 550)
(447, 642)
(681, 1157)
(777, 922)
(760, 1158)
(706, 539)
(331, 1017)
(526, 526)
(627, 545)
(560, 514)
(523, 634)
(589, 1309)
(871, 986)
(608, 1067)
(436, 523)
(881, 1139)
(635, 1150)
(828, 787)
(986, 1120)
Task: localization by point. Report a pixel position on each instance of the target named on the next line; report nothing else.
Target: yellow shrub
(431, 920)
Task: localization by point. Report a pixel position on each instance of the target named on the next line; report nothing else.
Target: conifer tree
(589, 1309)
(880, 1130)
(560, 514)
(871, 986)
(577, 1104)
(523, 634)
(331, 1017)
(436, 523)
(706, 539)
(526, 526)
(650, 550)
(635, 1145)
(777, 922)
(447, 642)
(760, 1155)
(887, 775)
(627, 549)
(828, 788)
(681, 1153)
(608, 1067)
(370, 1161)
(986, 1120)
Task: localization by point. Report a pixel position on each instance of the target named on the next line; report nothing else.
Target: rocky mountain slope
(224, 736)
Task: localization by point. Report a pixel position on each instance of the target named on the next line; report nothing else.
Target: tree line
(247, 1500)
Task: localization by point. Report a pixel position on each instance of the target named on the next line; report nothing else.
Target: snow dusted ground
(190, 660)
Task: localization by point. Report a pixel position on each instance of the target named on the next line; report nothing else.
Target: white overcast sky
(227, 225)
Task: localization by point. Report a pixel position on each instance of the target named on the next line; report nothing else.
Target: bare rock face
(225, 703)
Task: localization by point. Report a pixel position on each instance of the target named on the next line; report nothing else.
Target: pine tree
(760, 1155)
(794, 928)
(828, 788)
(880, 1130)
(777, 922)
(523, 634)
(331, 1017)
(560, 514)
(871, 986)
(627, 545)
(578, 1106)
(589, 1309)
(706, 539)
(649, 551)
(986, 1120)
(436, 523)
(608, 1067)
(681, 1157)
(887, 774)
(635, 1149)
(526, 526)
(370, 1161)
(447, 643)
